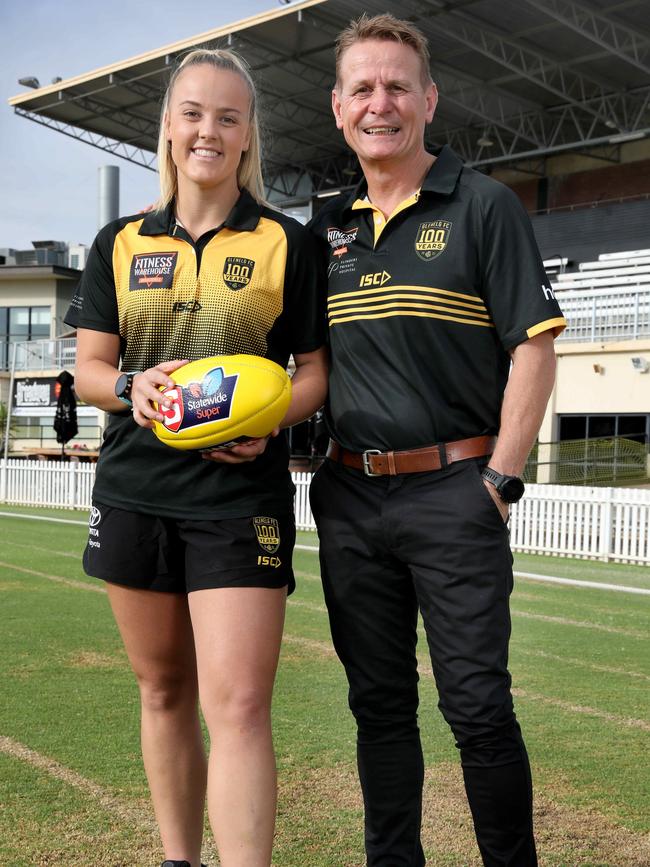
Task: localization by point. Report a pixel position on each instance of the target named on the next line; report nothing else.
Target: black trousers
(434, 542)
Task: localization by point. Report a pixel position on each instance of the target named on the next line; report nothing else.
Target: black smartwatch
(123, 387)
(509, 488)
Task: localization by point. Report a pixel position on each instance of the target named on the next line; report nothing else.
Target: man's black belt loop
(442, 451)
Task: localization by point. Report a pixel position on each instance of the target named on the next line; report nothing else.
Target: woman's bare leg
(237, 633)
(157, 633)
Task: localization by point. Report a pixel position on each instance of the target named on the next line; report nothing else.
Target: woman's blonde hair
(249, 173)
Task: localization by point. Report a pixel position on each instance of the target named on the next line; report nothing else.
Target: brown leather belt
(376, 463)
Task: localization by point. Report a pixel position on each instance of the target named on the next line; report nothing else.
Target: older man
(435, 288)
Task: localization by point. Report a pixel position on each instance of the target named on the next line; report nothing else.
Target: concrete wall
(615, 388)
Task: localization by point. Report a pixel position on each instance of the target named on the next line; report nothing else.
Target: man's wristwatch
(509, 488)
(123, 387)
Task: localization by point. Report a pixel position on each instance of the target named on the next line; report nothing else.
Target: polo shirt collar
(441, 178)
(244, 217)
(443, 175)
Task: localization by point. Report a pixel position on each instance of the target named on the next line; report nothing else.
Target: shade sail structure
(518, 80)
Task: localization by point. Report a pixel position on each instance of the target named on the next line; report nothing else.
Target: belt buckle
(365, 457)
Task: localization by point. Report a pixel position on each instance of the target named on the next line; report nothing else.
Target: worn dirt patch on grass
(94, 659)
(565, 835)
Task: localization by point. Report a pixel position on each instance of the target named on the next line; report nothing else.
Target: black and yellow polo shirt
(424, 307)
(253, 286)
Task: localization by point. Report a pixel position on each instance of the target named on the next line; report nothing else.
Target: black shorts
(177, 556)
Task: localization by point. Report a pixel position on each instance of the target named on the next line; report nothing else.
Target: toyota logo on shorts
(95, 517)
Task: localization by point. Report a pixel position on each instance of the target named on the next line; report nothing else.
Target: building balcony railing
(39, 355)
(599, 315)
(593, 315)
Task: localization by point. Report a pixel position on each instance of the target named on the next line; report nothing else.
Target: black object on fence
(65, 418)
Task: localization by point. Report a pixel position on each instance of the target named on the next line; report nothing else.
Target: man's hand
(240, 454)
(504, 508)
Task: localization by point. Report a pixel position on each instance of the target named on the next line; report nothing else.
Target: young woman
(176, 535)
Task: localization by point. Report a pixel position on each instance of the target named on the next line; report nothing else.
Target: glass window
(573, 427)
(18, 323)
(40, 323)
(601, 426)
(633, 427)
(74, 260)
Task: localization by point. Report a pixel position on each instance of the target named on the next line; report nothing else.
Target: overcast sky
(48, 181)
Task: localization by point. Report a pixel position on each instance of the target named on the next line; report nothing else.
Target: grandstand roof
(518, 79)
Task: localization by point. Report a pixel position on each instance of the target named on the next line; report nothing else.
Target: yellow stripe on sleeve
(558, 325)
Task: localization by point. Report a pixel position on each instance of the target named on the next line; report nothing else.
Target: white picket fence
(560, 520)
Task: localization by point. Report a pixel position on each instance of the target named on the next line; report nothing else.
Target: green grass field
(72, 789)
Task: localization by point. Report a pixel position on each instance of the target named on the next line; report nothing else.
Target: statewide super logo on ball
(221, 401)
(200, 402)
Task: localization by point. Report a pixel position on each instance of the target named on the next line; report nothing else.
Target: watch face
(121, 384)
(511, 490)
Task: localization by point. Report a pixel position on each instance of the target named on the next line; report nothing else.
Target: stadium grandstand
(552, 97)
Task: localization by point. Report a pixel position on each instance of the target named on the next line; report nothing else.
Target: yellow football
(221, 400)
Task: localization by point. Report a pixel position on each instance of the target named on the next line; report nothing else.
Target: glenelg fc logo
(237, 272)
(267, 531)
(432, 238)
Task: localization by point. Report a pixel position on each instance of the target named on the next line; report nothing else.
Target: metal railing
(599, 461)
(619, 314)
(592, 315)
(56, 354)
(28, 434)
(595, 315)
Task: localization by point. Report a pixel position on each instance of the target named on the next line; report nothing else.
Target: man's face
(381, 103)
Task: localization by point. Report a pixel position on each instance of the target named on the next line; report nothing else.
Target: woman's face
(207, 125)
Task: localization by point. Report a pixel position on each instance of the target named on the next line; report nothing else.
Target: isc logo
(377, 279)
(269, 561)
(186, 307)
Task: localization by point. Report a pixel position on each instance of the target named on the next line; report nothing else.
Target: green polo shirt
(251, 286)
(425, 306)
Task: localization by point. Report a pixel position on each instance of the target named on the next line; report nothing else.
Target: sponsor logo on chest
(432, 239)
(338, 239)
(237, 272)
(152, 271)
(376, 279)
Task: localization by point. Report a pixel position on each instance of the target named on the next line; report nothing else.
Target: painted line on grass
(551, 579)
(79, 585)
(582, 663)
(531, 576)
(322, 647)
(630, 722)
(574, 582)
(108, 801)
(310, 606)
(326, 649)
(581, 624)
(73, 554)
(547, 618)
(43, 518)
